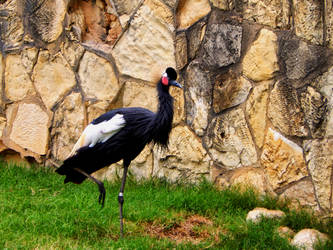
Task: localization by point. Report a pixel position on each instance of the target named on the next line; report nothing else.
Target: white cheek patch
(101, 132)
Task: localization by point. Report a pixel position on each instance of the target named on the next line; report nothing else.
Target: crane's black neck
(162, 123)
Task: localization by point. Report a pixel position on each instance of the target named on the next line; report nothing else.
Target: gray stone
(44, 19)
(285, 110)
(195, 35)
(125, 7)
(314, 106)
(301, 194)
(198, 97)
(221, 46)
(300, 58)
(319, 156)
(11, 26)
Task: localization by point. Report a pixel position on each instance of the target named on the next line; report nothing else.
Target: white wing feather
(101, 132)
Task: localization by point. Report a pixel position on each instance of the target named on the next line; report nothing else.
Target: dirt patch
(194, 228)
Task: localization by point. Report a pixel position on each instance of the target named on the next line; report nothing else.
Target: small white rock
(307, 239)
(256, 214)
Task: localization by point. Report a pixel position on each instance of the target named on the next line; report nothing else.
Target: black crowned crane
(120, 134)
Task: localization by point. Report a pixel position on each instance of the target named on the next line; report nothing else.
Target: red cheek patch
(165, 80)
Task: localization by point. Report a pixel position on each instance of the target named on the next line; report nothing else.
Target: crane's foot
(100, 185)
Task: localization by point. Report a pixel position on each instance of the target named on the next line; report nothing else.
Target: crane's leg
(121, 197)
(100, 185)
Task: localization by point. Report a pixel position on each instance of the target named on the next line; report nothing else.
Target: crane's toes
(102, 192)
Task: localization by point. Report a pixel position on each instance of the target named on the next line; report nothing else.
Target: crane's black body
(142, 126)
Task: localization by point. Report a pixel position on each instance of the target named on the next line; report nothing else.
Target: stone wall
(256, 106)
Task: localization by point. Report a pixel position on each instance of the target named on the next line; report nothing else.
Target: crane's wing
(99, 132)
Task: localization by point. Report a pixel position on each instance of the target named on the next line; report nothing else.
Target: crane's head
(169, 78)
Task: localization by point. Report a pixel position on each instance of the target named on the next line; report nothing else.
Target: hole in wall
(94, 22)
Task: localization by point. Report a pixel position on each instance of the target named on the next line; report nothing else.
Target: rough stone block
(191, 11)
(285, 111)
(230, 90)
(221, 45)
(319, 156)
(98, 79)
(282, 160)
(53, 77)
(229, 140)
(260, 61)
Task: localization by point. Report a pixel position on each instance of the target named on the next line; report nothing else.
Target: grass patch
(38, 211)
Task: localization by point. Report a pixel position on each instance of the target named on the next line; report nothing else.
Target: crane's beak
(174, 83)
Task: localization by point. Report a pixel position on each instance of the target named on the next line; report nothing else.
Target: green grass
(38, 211)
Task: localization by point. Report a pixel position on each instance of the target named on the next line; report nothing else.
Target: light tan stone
(3, 122)
(301, 194)
(267, 12)
(52, 77)
(185, 159)
(73, 52)
(308, 20)
(258, 213)
(146, 47)
(68, 124)
(285, 111)
(18, 84)
(229, 140)
(261, 62)
(282, 160)
(178, 105)
(190, 11)
(98, 79)
(140, 95)
(244, 178)
(256, 109)
(319, 156)
(96, 109)
(28, 128)
(161, 11)
(29, 58)
(181, 50)
(307, 239)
